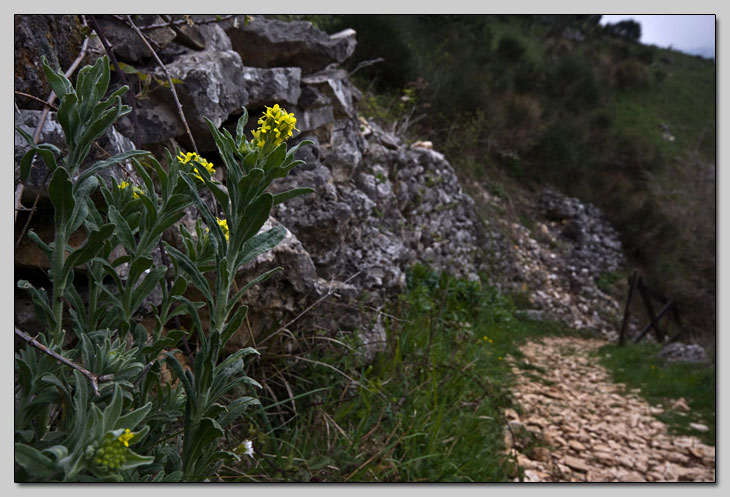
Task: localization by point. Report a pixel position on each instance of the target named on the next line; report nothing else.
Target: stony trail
(577, 425)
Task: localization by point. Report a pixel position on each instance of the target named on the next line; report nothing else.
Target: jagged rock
(268, 86)
(344, 151)
(128, 46)
(272, 43)
(198, 36)
(312, 98)
(212, 87)
(335, 85)
(312, 119)
(57, 37)
(214, 36)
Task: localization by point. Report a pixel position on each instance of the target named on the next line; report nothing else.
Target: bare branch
(28, 95)
(94, 379)
(144, 372)
(169, 80)
(365, 63)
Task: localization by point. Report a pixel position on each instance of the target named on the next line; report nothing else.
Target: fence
(669, 308)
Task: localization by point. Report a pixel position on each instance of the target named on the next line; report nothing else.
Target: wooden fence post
(633, 279)
(653, 321)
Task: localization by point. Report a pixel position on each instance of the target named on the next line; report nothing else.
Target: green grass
(682, 100)
(425, 409)
(639, 366)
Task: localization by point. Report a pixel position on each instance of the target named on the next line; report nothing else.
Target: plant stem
(58, 257)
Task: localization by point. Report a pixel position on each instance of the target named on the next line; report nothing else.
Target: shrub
(518, 118)
(628, 30)
(528, 77)
(83, 401)
(510, 48)
(646, 55)
(631, 74)
(573, 82)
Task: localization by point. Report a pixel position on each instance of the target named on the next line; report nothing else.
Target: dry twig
(32, 97)
(93, 378)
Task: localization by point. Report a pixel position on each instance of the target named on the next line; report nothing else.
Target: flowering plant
(84, 399)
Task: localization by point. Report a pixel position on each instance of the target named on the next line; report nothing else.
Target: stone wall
(379, 205)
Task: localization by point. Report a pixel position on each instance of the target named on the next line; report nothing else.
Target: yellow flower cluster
(192, 156)
(275, 126)
(135, 190)
(113, 452)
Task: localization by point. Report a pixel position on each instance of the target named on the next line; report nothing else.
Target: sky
(689, 33)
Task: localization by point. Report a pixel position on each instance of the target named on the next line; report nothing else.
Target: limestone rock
(682, 352)
(272, 43)
(334, 84)
(269, 86)
(212, 87)
(576, 464)
(56, 37)
(128, 46)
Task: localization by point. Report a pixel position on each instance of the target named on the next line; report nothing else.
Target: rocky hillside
(379, 206)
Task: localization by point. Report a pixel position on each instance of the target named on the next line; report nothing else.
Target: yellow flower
(192, 156)
(126, 437)
(135, 189)
(277, 121)
(224, 226)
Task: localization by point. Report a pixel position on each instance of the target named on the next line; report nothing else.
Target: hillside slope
(520, 102)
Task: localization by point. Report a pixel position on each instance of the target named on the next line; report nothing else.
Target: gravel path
(577, 425)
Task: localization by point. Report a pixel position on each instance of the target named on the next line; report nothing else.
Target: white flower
(248, 446)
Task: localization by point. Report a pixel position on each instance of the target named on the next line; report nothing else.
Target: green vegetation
(427, 408)
(639, 366)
